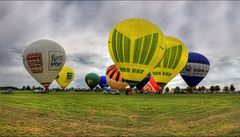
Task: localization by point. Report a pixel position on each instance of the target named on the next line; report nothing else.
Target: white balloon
(44, 59)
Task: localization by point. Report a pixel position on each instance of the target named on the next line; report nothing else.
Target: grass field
(96, 114)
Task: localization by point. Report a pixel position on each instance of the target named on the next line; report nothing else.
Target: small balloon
(196, 69)
(92, 80)
(152, 86)
(115, 79)
(65, 77)
(103, 82)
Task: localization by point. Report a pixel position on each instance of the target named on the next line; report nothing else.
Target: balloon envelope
(135, 46)
(172, 63)
(103, 82)
(92, 80)
(65, 77)
(142, 83)
(196, 69)
(115, 79)
(44, 59)
(152, 86)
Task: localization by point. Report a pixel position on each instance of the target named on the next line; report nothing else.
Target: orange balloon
(115, 79)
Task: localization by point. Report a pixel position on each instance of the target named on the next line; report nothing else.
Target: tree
(232, 88)
(212, 89)
(23, 88)
(177, 88)
(28, 88)
(167, 90)
(199, 89)
(225, 89)
(189, 90)
(203, 88)
(33, 87)
(217, 88)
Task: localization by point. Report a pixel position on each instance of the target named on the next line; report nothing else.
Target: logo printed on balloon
(69, 75)
(34, 62)
(90, 82)
(55, 60)
(188, 68)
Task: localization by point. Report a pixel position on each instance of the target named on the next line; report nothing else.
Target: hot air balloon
(92, 80)
(44, 59)
(196, 69)
(135, 46)
(152, 86)
(142, 83)
(103, 82)
(114, 78)
(174, 60)
(148, 84)
(65, 77)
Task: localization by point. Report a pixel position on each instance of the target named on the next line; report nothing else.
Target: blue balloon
(103, 82)
(196, 69)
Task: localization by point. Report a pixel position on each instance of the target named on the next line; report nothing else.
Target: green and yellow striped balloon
(174, 60)
(135, 45)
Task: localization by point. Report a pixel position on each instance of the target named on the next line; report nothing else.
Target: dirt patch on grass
(215, 117)
(38, 123)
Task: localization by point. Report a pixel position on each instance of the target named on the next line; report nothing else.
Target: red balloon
(152, 86)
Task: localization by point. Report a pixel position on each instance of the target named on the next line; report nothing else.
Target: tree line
(177, 89)
(203, 89)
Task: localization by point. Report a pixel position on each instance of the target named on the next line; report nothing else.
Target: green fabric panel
(166, 58)
(114, 45)
(179, 54)
(153, 48)
(119, 46)
(133, 70)
(127, 43)
(137, 50)
(142, 71)
(158, 65)
(146, 45)
(163, 73)
(138, 70)
(172, 56)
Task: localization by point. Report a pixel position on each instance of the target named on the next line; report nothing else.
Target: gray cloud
(82, 28)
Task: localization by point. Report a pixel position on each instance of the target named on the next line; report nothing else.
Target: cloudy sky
(82, 29)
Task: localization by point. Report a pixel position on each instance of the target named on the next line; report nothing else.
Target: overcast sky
(82, 29)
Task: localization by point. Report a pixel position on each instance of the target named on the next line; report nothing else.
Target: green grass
(96, 114)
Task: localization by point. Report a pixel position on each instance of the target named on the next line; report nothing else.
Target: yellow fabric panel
(65, 77)
(169, 71)
(142, 60)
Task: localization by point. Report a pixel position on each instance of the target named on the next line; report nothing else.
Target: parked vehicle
(8, 91)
